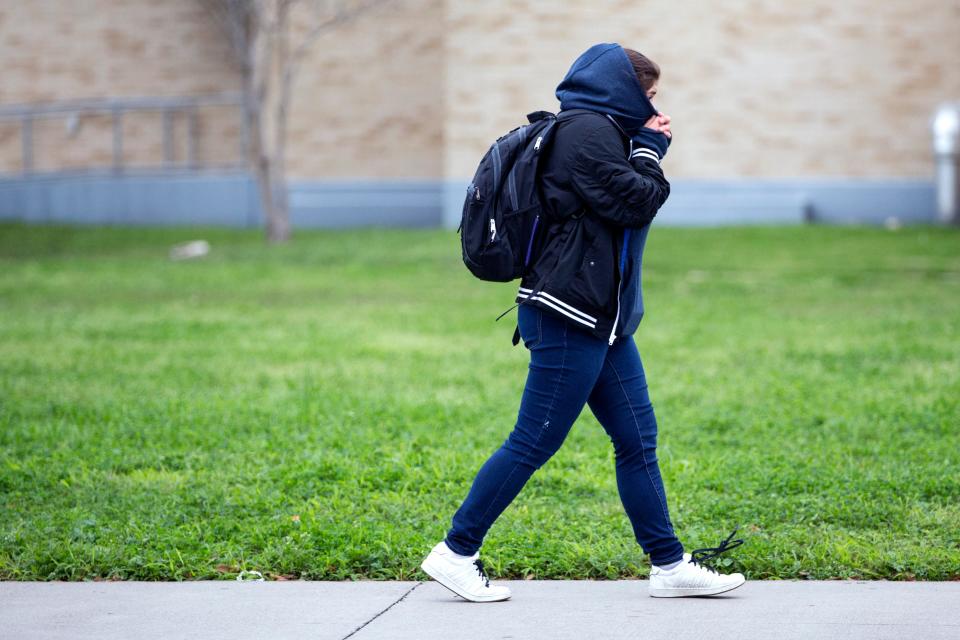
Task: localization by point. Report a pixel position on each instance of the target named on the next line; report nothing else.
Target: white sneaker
(464, 576)
(691, 579)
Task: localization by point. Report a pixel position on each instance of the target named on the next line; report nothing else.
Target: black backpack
(502, 212)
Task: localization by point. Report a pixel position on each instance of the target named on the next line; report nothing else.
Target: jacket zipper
(613, 337)
(619, 275)
(617, 317)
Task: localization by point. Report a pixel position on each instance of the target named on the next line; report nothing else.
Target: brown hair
(646, 69)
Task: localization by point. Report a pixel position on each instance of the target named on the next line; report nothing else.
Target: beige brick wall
(419, 89)
(63, 49)
(369, 100)
(57, 50)
(756, 88)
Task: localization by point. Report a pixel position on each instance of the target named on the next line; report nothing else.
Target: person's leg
(564, 364)
(620, 402)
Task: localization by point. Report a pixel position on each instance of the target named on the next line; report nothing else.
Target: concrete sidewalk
(554, 609)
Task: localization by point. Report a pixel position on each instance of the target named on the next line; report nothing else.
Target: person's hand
(661, 123)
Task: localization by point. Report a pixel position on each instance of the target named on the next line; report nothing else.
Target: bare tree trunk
(259, 32)
(279, 229)
(278, 216)
(263, 168)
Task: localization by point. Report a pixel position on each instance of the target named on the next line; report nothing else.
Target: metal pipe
(26, 115)
(168, 138)
(117, 141)
(946, 149)
(26, 144)
(193, 132)
(109, 105)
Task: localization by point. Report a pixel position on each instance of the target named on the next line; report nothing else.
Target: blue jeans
(570, 367)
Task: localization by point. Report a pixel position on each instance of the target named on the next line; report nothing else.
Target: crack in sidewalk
(395, 602)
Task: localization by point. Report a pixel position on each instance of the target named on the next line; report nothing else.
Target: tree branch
(341, 15)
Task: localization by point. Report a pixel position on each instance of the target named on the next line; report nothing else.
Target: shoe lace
(704, 555)
(478, 563)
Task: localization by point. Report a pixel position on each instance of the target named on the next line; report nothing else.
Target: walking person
(579, 305)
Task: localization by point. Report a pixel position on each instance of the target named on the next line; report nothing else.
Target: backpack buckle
(539, 115)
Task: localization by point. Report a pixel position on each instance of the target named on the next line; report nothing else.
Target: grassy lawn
(319, 410)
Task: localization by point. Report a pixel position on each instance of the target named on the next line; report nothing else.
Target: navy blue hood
(602, 79)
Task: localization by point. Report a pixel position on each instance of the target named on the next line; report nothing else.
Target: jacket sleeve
(625, 193)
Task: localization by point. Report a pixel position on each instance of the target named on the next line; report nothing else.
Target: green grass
(319, 410)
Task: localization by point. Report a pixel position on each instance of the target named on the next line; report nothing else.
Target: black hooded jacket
(598, 186)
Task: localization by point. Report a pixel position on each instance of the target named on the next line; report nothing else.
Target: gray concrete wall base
(694, 202)
(230, 199)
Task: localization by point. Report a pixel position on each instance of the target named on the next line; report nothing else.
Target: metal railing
(116, 108)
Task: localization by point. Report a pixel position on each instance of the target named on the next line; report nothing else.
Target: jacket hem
(598, 327)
